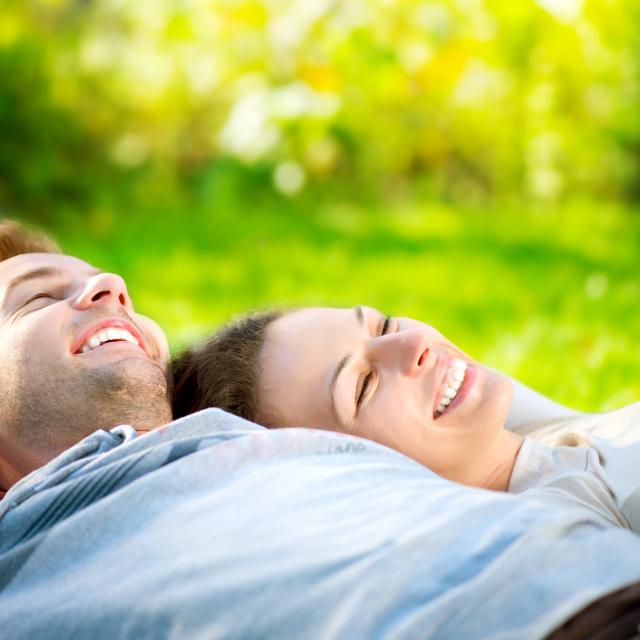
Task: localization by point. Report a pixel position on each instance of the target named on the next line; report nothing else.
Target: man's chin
(137, 376)
(135, 391)
(65, 404)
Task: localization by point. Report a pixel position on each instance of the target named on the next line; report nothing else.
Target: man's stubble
(60, 408)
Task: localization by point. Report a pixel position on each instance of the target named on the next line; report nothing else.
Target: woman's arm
(529, 406)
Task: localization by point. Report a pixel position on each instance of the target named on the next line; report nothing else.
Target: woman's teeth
(455, 378)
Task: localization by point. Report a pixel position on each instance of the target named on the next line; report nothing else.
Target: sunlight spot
(545, 183)
(298, 99)
(289, 177)
(321, 154)
(480, 84)
(202, 73)
(435, 18)
(10, 29)
(414, 55)
(543, 178)
(562, 10)
(249, 133)
(596, 286)
(130, 150)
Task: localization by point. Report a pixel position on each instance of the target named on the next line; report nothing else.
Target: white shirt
(592, 459)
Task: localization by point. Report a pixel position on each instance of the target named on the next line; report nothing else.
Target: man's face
(74, 356)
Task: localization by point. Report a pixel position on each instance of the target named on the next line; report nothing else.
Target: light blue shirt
(213, 527)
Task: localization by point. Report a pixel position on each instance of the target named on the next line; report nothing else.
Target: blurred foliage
(472, 163)
(472, 97)
(549, 295)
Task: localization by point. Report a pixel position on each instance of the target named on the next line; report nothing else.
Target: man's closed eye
(42, 295)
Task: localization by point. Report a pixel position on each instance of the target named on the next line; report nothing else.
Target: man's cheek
(155, 333)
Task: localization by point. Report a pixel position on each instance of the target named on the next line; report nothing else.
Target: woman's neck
(502, 462)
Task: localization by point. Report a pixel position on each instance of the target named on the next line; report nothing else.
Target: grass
(547, 295)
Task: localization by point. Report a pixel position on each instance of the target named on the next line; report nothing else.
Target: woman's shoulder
(610, 443)
(538, 463)
(583, 429)
(567, 476)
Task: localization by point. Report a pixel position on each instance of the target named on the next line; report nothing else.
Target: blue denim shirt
(213, 527)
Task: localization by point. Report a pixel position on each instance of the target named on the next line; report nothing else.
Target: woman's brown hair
(224, 370)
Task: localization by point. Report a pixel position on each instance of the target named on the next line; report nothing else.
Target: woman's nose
(405, 350)
(104, 289)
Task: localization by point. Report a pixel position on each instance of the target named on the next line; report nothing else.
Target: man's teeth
(107, 335)
(455, 378)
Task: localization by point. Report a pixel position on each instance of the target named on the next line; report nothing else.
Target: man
(214, 527)
(75, 356)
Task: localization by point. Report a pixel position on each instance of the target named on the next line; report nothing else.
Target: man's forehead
(27, 262)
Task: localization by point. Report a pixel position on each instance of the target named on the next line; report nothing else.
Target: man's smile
(109, 332)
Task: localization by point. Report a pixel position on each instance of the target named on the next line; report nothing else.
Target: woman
(401, 383)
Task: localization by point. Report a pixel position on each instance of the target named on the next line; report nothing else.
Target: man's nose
(104, 289)
(405, 350)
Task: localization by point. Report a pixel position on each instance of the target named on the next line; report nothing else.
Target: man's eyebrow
(35, 274)
(342, 364)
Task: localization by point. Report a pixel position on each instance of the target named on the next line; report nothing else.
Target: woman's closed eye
(362, 386)
(366, 381)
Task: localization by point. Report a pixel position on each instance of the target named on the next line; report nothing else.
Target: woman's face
(394, 380)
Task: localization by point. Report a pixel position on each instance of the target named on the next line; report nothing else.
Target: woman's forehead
(300, 354)
(322, 319)
(305, 344)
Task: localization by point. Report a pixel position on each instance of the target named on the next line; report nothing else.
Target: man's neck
(15, 463)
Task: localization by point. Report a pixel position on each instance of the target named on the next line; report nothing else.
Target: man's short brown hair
(16, 239)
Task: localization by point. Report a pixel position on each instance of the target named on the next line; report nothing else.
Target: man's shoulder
(208, 422)
(211, 443)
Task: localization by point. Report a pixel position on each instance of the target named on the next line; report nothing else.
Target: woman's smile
(469, 377)
(454, 374)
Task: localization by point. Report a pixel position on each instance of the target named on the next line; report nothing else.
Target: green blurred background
(471, 163)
